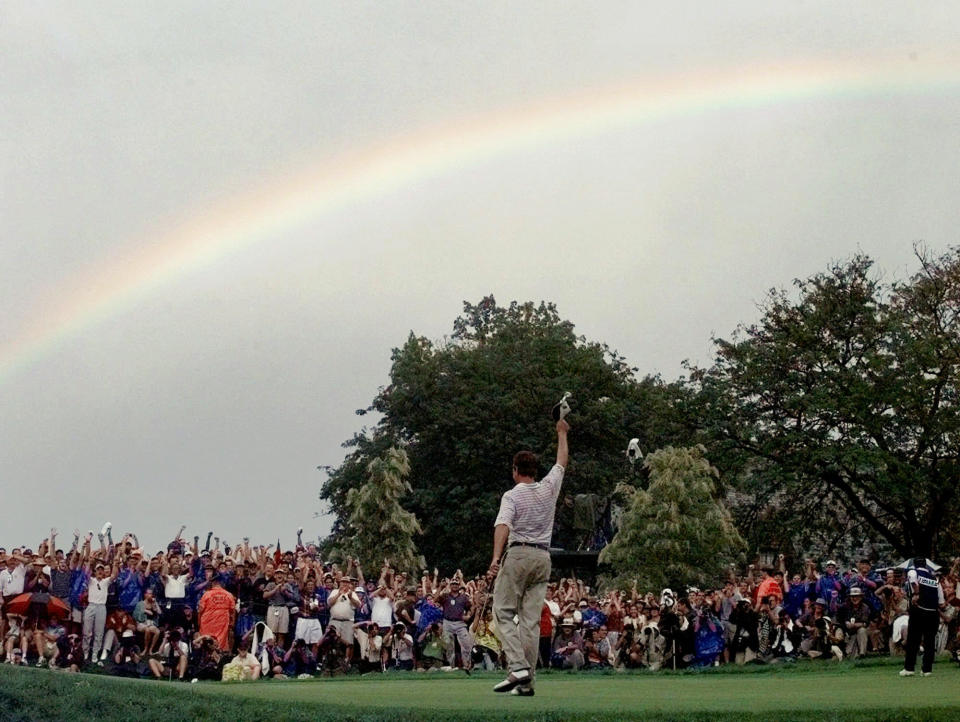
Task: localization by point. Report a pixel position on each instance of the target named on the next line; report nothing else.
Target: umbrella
(38, 602)
(907, 563)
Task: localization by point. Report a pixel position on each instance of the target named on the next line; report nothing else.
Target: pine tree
(675, 532)
(378, 526)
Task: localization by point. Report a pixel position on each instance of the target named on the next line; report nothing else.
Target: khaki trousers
(520, 591)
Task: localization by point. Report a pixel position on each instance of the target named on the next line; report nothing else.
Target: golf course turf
(821, 691)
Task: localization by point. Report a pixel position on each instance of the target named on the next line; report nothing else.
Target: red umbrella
(37, 602)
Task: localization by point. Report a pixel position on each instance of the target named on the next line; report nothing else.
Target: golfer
(526, 522)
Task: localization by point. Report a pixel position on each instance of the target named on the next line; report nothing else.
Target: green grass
(820, 691)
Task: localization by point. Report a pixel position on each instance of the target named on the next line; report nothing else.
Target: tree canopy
(462, 407)
(676, 531)
(833, 419)
(838, 411)
(378, 528)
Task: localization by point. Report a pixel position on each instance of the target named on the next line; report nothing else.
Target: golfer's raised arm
(562, 453)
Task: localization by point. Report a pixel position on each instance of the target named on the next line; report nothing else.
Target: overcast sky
(210, 396)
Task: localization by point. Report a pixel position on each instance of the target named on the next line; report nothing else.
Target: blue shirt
(593, 617)
(129, 589)
(869, 595)
(362, 613)
(827, 584)
(78, 586)
(793, 601)
(429, 613)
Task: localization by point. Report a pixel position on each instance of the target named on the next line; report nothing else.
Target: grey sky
(212, 399)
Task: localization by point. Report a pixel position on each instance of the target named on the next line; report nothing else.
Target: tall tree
(841, 407)
(462, 407)
(379, 527)
(677, 531)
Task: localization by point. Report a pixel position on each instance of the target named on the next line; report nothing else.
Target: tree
(462, 407)
(676, 531)
(379, 527)
(840, 408)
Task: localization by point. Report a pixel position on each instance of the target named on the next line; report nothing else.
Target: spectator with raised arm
(95, 614)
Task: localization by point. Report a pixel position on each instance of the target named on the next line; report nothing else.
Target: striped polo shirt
(527, 509)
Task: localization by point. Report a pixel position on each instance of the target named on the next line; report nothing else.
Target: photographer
(401, 646)
(206, 659)
(628, 651)
(767, 621)
(677, 630)
(299, 660)
(329, 651)
(371, 645)
(787, 637)
(173, 657)
(744, 645)
(126, 657)
(824, 635)
(431, 646)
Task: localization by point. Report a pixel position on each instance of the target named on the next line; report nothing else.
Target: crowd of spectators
(245, 612)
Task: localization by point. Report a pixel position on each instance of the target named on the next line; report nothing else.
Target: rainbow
(281, 205)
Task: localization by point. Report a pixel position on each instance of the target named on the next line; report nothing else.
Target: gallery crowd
(244, 612)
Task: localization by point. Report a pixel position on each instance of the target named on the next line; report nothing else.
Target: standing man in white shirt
(12, 578)
(95, 614)
(523, 528)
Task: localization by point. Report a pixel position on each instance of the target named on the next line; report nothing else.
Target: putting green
(855, 689)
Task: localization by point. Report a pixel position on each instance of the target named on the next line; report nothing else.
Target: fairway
(805, 691)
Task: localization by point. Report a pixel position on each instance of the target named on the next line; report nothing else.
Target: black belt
(544, 547)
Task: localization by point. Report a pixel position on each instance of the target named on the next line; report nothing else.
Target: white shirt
(369, 646)
(183, 650)
(175, 587)
(12, 582)
(403, 650)
(554, 609)
(97, 590)
(381, 611)
(527, 509)
(341, 609)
